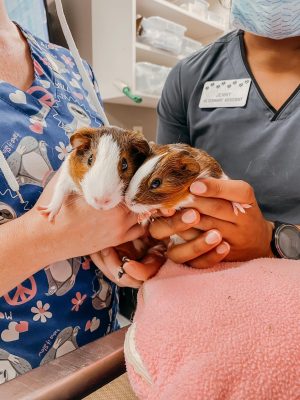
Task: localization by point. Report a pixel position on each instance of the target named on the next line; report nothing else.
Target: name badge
(226, 93)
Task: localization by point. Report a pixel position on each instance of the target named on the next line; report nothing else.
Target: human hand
(79, 229)
(109, 262)
(237, 237)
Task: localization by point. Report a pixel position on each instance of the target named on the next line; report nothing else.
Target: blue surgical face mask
(274, 19)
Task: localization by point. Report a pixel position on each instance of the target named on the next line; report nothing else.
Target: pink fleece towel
(229, 332)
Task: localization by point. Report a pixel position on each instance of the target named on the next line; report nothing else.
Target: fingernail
(212, 237)
(105, 252)
(189, 217)
(223, 248)
(198, 188)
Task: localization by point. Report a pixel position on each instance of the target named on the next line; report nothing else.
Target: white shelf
(197, 27)
(116, 51)
(148, 100)
(147, 53)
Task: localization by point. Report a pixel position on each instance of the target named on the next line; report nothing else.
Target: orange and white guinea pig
(100, 167)
(164, 179)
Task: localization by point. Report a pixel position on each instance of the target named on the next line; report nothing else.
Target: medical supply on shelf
(125, 89)
(215, 18)
(199, 7)
(150, 78)
(189, 46)
(163, 34)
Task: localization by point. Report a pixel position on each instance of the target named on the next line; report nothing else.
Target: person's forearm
(26, 246)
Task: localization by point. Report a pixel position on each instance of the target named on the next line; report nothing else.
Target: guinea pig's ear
(187, 164)
(140, 148)
(154, 146)
(81, 139)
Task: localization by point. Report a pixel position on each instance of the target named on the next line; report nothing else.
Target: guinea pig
(100, 167)
(164, 179)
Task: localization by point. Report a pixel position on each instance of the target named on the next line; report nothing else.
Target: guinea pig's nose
(102, 201)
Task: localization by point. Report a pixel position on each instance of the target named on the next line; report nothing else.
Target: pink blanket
(230, 332)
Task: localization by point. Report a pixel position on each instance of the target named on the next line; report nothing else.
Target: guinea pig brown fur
(164, 179)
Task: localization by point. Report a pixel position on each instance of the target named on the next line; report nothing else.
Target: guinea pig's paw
(240, 207)
(50, 211)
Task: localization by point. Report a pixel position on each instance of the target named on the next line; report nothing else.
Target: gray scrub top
(254, 143)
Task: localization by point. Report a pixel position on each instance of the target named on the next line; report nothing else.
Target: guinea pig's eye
(90, 159)
(155, 183)
(124, 164)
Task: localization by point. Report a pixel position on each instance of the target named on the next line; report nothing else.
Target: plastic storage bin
(189, 46)
(163, 34)
(199, 7)
(150, 78)
(216, 18)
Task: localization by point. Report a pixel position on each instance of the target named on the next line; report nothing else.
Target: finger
(232, 190)
(135, 232)
(164, 212)
(190, 234)
(217, 208)
(185, 252)
(181, 221)
(144, 270)
(211, 258)
(99, 262)
(206, 224)
(168, 212)
(111, 263)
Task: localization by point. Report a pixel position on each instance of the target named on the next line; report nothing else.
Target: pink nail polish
(189, 217)
(222, 248)
(212, 237)
(198, 188)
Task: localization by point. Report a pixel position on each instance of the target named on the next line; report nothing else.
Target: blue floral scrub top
(70, 303)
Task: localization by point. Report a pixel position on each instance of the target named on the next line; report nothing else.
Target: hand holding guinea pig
(135, 272)
(232, 237)
(163, 181)
(80, 229)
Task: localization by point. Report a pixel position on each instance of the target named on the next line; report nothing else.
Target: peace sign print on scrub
(22, 293)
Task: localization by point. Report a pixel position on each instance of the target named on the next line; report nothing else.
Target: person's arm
(31, 242)
(25, 248)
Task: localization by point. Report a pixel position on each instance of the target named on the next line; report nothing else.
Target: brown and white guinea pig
(163, 181)
(100, 167)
